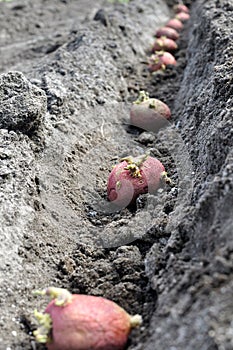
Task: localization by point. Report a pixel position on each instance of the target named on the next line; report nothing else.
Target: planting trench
(170, 258)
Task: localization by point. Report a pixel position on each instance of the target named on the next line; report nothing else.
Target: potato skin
(175, 23)
(164, 44)
(88, 323)
(160, 60)
(168, 32)
(183, 16)
(123, 188)
(147, 118)
(181, 8)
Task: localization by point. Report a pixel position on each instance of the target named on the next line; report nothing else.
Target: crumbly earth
(70, 70)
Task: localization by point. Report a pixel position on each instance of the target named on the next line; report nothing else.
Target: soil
(69, 72)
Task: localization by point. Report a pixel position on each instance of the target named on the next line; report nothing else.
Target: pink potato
(164, 44)
(183, 16)
(181, 8)
(175, 23)
(83, 322)
(148, 113)
(160, 60)
(168, 32)
(132, 177)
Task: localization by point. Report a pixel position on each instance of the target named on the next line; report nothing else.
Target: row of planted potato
(85, 322)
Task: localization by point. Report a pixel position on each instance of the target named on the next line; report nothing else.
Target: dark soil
(70, 70)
